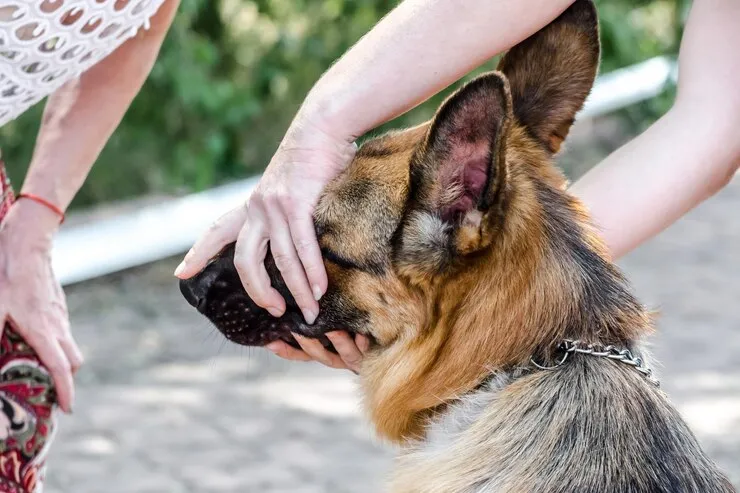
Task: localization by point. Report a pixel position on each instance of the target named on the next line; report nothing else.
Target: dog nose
(195, 296)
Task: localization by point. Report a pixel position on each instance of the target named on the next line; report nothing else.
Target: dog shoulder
(589, 426)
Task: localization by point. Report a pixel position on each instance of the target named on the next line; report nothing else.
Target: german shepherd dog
(506, 353)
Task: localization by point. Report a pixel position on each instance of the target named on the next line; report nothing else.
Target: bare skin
(690, 153)
(684, 158)
(78, 121)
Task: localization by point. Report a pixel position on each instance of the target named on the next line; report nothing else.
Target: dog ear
(459, 174)
(551, 73)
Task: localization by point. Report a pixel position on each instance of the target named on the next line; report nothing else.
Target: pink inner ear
(463, 176)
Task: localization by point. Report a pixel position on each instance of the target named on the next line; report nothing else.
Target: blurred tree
(232, 74)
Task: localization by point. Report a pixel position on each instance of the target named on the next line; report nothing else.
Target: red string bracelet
(40, 200)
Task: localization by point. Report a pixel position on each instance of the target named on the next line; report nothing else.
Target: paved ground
(164, 406)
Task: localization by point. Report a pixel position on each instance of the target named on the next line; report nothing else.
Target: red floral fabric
(27, 397)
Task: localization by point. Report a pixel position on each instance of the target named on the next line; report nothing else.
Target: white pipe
(152, 233)
(627, 86)
(156, 232)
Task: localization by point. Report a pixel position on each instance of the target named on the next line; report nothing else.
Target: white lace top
(45, 43)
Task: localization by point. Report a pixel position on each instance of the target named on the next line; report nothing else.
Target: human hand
(279, 213)
(351, 351)
(32, 299)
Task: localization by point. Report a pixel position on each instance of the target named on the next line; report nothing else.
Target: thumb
(222, 232)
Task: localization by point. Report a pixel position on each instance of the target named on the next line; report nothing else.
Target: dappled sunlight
(710, 403)
(714, 417)
(333, 395)
(726, 383)
(324, 393)
(220, 370)
(97, 445)
(161, 394)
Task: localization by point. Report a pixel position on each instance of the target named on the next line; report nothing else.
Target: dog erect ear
(458, 175)
(551, 73)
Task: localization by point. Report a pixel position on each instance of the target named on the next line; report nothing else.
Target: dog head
(453, 244)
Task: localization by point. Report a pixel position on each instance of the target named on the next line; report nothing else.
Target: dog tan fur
(457, 248)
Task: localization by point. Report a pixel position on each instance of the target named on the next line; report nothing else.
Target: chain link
(625, 356)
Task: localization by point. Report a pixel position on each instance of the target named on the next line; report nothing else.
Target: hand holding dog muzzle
(278, 214)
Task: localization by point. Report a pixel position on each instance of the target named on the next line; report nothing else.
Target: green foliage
(232, 73)
(633, 31)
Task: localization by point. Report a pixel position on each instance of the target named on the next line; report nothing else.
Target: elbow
(729, 173)
(729, 161)
(724, 172)
(717, 142)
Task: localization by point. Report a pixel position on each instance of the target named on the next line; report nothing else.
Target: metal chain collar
(610, 352)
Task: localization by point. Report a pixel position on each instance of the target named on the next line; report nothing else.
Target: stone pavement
(164, 405)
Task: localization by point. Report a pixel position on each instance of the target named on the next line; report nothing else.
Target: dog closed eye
(340, 260)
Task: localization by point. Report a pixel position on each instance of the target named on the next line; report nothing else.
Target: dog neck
(545, 282)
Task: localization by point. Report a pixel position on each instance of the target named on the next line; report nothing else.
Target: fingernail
(310, 316)
(272, 347)
(275, 312)
(180, 268)
(317, 293)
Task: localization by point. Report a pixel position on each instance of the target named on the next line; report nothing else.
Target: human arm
(78, 120)
(687, 155)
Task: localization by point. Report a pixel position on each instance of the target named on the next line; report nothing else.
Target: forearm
(81, 116)
(690, 153)
(417, 50)
(655, 179)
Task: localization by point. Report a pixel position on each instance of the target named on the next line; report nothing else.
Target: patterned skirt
(27, 397)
